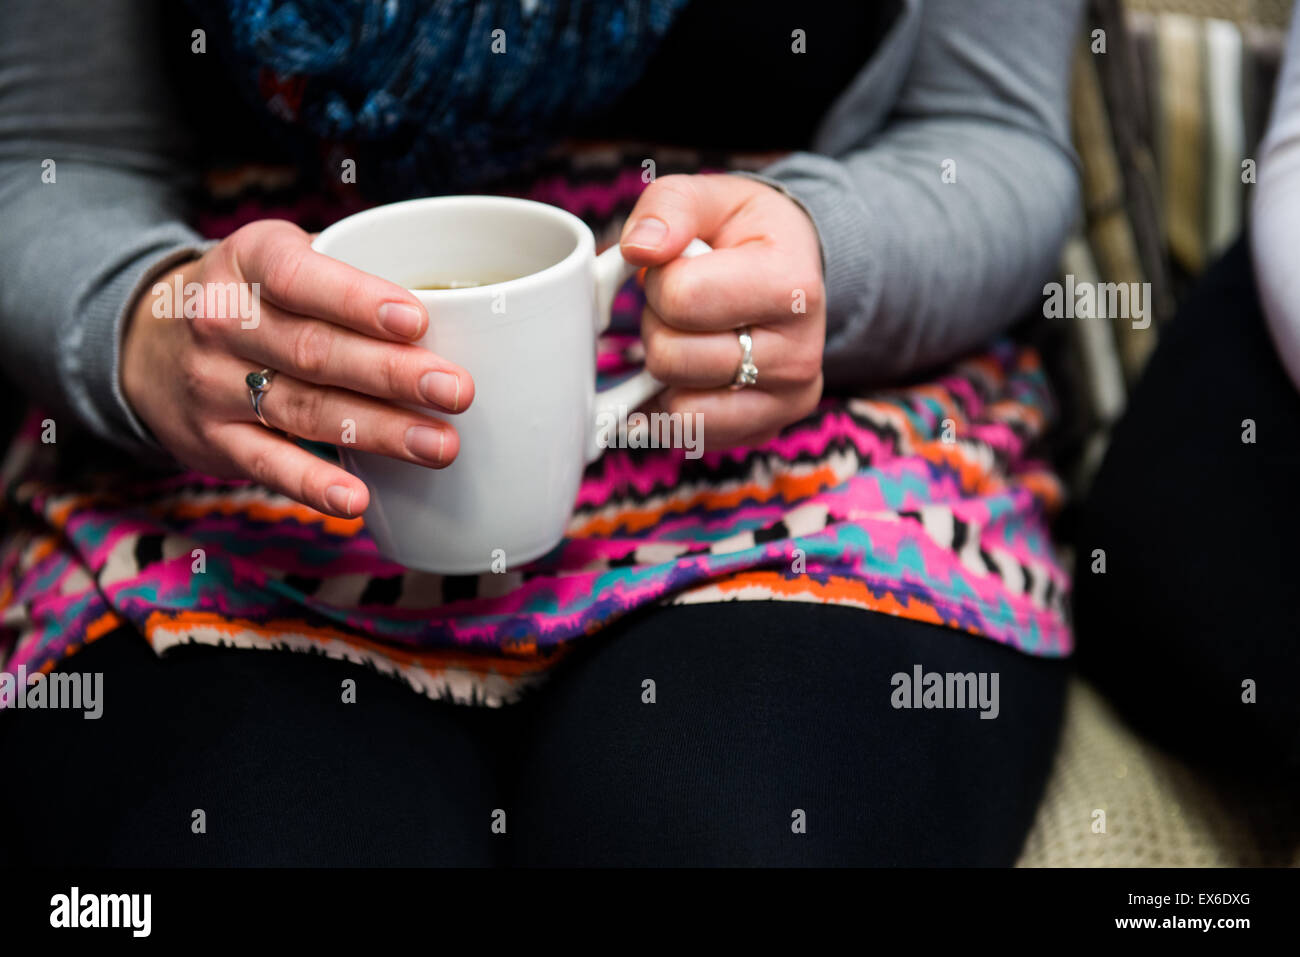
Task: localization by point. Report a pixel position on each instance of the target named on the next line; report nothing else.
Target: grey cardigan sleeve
(90, 167)
(921, 266)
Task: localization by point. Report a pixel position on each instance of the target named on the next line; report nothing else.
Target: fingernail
(401, 319)
(425, 443)
(647, 233)
(339, 498)
(441, 388)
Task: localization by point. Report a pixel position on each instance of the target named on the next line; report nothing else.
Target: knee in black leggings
(1192, 626)
(773, 740)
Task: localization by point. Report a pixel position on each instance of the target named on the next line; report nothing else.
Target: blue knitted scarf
(436, 95)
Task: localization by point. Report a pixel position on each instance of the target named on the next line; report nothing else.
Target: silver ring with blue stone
(258, 383)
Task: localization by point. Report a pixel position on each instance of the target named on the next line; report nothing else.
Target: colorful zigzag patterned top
(923, 502)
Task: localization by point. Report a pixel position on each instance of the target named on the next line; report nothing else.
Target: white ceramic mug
(528, 338)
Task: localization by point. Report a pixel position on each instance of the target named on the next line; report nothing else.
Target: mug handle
(612, 270)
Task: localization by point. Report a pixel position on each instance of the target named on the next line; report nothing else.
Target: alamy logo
(616, 429)
(1098, 300)
(933, 689)
(213, 300)
(79, 691)
(75, 909)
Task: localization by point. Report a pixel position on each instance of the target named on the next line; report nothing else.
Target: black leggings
(772, 740)
(1199, 593)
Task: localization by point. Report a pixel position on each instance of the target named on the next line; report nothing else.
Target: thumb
(671, 212)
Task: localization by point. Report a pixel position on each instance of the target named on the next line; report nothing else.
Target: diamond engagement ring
(746, 372)
(258, 383)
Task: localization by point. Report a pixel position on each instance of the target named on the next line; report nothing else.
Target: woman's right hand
(341, 342)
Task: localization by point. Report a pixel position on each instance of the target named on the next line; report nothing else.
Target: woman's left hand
(764, 272)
